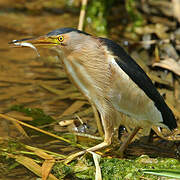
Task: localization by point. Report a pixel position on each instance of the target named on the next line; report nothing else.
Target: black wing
(136, 73)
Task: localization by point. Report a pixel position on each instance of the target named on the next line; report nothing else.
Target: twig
(82, 15)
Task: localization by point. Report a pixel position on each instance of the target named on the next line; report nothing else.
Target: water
(21, 71)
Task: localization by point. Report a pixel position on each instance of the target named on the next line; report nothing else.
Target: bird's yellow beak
(42, 41)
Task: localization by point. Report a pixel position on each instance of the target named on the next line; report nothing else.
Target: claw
(172, 136)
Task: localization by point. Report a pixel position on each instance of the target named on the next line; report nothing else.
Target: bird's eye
(61, 38)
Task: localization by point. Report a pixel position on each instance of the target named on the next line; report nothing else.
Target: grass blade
(163, 172)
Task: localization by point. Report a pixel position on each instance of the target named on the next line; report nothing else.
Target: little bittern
(110, 79)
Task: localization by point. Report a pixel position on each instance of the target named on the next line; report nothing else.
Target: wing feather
(137, 74)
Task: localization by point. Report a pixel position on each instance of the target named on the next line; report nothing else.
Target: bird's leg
(98, 120)
(128, 140)
(106, 142)
(107, 122)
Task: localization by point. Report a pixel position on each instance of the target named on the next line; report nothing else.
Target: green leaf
(163, 172)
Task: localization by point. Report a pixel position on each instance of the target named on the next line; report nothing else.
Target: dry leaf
(33, 166)
(96, 158)
(175, 111)
(46, 168)
(169, 64)
(19, 128)
(73, 108)
(43, 154)
(66, 122)
(176, 9)
(157, 79)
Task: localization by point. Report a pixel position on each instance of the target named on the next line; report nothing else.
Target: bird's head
(64, 39)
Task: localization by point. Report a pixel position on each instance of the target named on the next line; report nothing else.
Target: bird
(110, 79)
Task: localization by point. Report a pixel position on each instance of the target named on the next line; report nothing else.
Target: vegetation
(149, 30)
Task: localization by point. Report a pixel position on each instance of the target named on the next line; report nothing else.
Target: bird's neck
(89, 69)
(95, 65)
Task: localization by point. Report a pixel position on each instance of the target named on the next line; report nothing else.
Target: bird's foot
(175, 135)
(73, 156)
(92, 149)
(169, 135)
